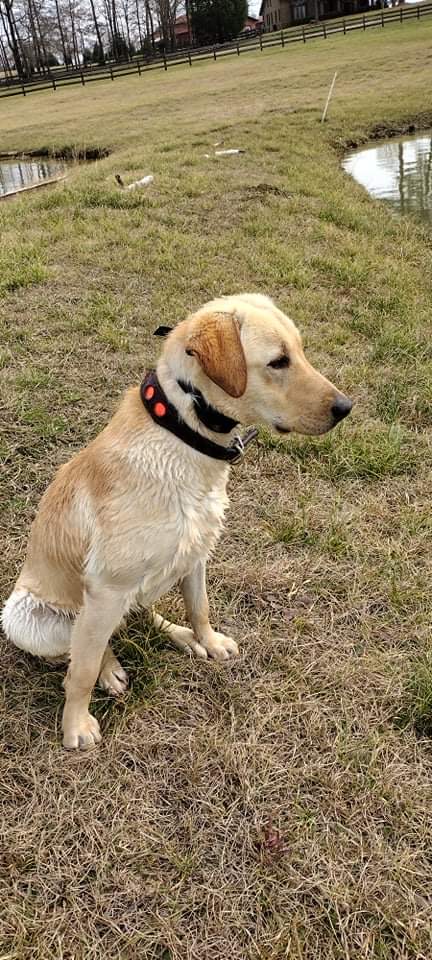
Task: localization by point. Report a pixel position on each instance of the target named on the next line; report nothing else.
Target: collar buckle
(240, 443)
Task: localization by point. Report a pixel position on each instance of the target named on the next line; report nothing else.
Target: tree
(138, 23)
(149, 23)
(4, 59)
(166, 14)
(98, 32)
(214, 21)
(35, 34)
(13, 38)
(126, 17)
(119, 49)
(68, 29)
(65, 52)
(98, 54)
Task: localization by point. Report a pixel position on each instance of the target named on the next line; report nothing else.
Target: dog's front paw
(220, 647)
(81, 733)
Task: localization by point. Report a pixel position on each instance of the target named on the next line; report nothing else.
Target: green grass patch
(368, 453)
(408, 399)
(391, 397)
(401, 345)
(416, 709)
(46, 425)
(293, 531)
(21, 264)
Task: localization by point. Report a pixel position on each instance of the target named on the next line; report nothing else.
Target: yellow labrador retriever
(141, 507)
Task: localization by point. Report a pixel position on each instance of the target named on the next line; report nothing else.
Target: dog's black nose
(341, 408)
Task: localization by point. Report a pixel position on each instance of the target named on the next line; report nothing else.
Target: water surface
(17, 174)
(399, 171)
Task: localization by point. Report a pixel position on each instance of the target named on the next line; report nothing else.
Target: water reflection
(16, 174)
(399, 171)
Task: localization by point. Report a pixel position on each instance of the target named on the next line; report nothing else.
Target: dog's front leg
(101, 613)
(194, 591)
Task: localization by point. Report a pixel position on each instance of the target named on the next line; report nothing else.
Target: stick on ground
(329, 97)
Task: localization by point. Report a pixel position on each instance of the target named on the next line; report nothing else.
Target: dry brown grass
(278, 806)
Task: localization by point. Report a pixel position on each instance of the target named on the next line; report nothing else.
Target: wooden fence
(12, 87)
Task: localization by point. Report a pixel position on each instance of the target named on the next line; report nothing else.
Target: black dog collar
(165, 414)
(209, 416)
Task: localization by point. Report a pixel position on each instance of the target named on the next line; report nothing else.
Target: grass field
(279, 806)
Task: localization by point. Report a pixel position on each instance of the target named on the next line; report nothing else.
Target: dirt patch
(387, 130)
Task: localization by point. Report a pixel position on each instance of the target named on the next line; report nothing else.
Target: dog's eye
(279, 363)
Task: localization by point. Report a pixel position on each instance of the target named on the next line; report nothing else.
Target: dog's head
(247, 359)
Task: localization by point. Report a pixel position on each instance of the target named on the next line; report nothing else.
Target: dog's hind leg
(36, 626)
(112, 678)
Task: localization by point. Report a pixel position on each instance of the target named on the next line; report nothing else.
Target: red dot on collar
(160, 409)
(149, 393)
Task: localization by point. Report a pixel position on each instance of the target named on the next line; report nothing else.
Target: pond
(17, 175)
(399, 171)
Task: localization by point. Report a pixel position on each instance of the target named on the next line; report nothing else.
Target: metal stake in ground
(329, 98)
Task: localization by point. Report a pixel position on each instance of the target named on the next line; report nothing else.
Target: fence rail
(12, 87)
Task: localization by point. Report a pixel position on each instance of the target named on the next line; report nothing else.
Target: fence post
(82, 78)
(382, 18)
(54, 83)
(190, 59)
(260, 39)
(165, 63)
(111, 71)
(364, 22)
(324, 32)
(138, 68)
(401, 14)
(344, 26)
(23, 89)
(238, 50)
(214, 53)
(304, 35)
(418, 13)
(282, 38)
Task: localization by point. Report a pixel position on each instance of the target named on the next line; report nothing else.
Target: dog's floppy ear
(217, 346)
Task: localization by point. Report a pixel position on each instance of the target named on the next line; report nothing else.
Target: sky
(254, 6)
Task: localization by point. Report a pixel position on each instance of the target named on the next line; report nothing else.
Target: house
(181, 33)
(277, 14)
(181, 30)
(252, 23)
(183, 37)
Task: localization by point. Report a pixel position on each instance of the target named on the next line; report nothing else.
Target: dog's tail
(37, 627)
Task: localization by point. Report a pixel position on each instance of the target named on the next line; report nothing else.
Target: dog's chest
(186, 532)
